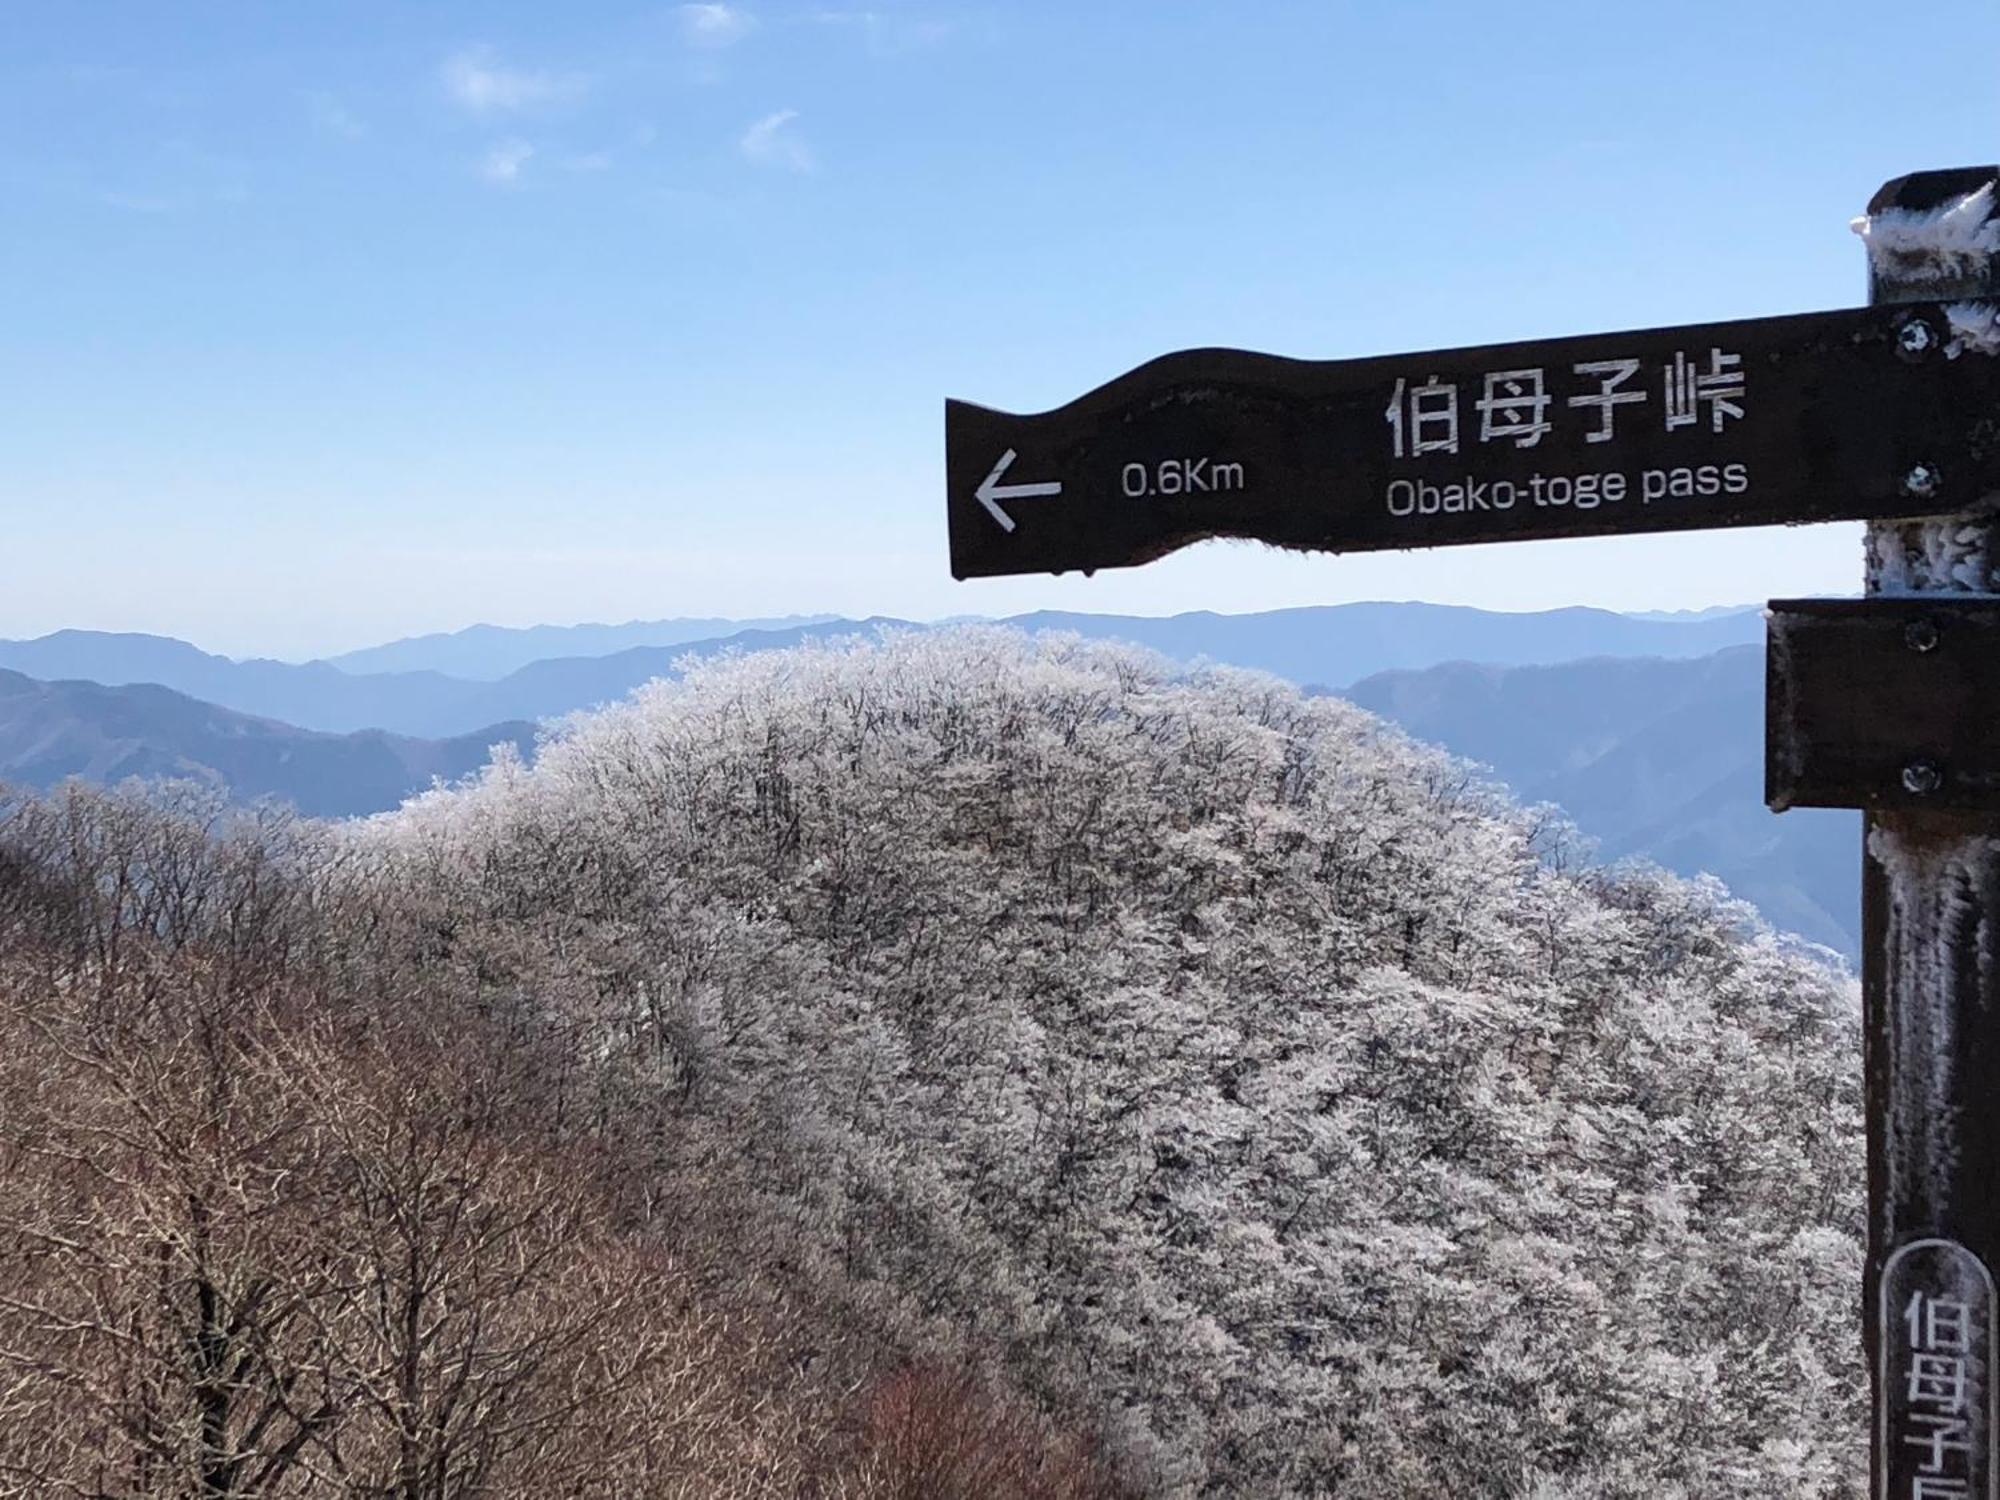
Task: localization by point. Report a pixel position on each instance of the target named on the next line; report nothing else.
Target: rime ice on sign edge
(1953, 242)
(1975, 329)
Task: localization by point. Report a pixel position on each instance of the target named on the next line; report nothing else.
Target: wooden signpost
(1820, 417)
(1891, 703)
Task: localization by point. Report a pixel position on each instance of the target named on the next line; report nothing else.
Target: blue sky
(329, 323)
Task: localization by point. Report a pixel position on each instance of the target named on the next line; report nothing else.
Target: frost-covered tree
(295, 1204)
(1238, 1070)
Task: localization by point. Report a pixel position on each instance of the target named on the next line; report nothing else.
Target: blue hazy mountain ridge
(1331, 645)
(1343, 643)
(50, 731)
(1651, 758)
(309, 695)
(485, 653)
(1654, 755)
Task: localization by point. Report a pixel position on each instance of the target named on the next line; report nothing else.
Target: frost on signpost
(1931, 926)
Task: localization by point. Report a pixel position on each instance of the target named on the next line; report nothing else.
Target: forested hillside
(1268, 1105)
(299, 1197)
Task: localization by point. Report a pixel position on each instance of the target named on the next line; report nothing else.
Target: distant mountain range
(1687, 616)
(1647, 732)
(1330, 646)
(1657, 759)
(50, 731)
(485, 653)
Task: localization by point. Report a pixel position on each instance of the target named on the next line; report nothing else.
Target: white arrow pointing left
(991, 491)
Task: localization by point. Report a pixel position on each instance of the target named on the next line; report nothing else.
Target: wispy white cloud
(331, 118)
(771, 142)
(480, 84)
(890, 35)
(179, 175)
(502, 165)
(716, 24)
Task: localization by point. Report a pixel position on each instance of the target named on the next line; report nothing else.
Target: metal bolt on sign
(1922, 777)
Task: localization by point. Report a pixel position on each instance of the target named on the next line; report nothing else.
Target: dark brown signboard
(1883, 703)
(1866, 413)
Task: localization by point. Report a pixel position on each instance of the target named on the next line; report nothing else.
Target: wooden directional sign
(1867, 413)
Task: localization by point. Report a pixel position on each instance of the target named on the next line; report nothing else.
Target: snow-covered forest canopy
(1259, 1103)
